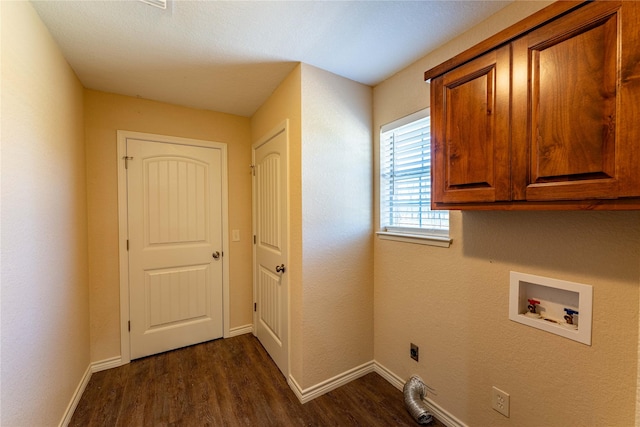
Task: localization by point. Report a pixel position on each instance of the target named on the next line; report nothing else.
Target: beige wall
(336, 225)
(285, 104)
(453, 302)
(104, 115)
(45, 295)
(330, 251)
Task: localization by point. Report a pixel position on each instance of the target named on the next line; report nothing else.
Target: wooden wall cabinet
(544, 115)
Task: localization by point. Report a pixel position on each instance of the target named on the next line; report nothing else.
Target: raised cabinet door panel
(628, 125)
(548, 119)
(470, 123)
(565, 122)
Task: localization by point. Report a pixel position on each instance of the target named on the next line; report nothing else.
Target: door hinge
(126, 161)
(253, 170)
(129, 325)
(254, 239)
(127, 244)
(255, 306)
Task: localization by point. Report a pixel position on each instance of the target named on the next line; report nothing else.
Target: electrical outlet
(500, 401)
(415, 352)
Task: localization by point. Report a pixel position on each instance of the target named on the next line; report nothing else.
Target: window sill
(420, 239)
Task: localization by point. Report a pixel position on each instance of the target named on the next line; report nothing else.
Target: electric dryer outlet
(415, 352)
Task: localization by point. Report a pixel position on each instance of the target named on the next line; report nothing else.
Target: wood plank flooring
(228, 382)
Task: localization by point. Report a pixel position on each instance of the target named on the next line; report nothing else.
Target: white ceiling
(229, 56)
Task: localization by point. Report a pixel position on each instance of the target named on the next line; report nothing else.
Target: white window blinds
(405, 178)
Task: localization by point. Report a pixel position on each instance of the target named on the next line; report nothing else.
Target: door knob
(216, 255)
(280, 268)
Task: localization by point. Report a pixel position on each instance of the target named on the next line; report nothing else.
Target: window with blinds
(405, 178)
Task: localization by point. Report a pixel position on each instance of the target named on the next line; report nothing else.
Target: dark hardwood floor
(230, 382)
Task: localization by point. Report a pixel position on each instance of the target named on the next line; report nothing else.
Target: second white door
(175, 245)
(271, 249)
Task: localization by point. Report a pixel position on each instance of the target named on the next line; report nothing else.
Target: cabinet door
(470, 125)
(567, 143)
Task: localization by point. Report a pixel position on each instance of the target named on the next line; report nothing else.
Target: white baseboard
(443, 416)
(317, 390)
(240, 330)
(101, 365)
(312, 392)
(75, 399)
(391, 378)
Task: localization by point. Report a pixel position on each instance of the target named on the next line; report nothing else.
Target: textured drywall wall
(104, 115)
(337, 220)
(285, 104)
(453, 302)
(45, 294)
(330, 282)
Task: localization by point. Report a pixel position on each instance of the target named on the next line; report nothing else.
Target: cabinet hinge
(129, 325)
(126, 161)
(255, 306)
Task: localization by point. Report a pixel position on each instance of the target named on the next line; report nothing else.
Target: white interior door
(175, 245)
(271, 231)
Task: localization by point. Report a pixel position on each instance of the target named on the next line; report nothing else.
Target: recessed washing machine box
(557, 306)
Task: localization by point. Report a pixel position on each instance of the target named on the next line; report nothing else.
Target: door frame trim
(282, 127)
(123, 135)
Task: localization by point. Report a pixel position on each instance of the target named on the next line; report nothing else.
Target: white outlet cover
(500, 401)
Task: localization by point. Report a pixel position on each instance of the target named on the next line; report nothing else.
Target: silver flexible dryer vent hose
(414, 391)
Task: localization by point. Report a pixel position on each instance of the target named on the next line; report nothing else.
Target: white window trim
(420, 239)
(405, 120)
(418, 235)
